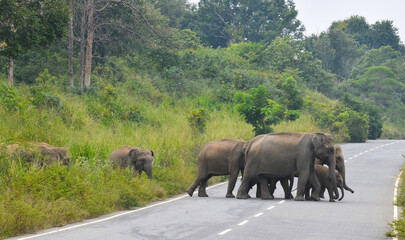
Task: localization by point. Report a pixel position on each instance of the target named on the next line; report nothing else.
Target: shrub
(197, 120)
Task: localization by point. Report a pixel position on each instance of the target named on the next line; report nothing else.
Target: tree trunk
(70, 44)
(82, 43)
(11, 72)
(89, 48)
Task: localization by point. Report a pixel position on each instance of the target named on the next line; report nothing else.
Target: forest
(95, 75)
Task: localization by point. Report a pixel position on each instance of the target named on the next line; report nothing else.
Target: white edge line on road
(258, 215)
(243, 223)
(112, 217)
(395, 200)
(282, 201)
(225, 232)
(271, 207)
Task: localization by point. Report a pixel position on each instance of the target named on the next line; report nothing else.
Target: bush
(258, 110)
(197, 120)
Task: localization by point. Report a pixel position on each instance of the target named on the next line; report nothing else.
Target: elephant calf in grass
(40, 153)
(223, 157)
(137, 158)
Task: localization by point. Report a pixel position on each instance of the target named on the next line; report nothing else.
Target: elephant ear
(317, 140)
(133, 155)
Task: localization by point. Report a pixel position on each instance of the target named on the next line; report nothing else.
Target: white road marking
(115, 216)
(271, 207)
(225, 232)
(243, 223)
(258, 215)
(395, 200)
(282, 201)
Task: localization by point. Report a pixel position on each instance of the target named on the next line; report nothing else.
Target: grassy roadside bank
(397, 227)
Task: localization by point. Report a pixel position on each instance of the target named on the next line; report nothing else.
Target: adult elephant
(284, 155)
(137, 158)
(223, 157)
(340, 166)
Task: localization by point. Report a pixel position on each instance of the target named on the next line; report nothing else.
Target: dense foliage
(170, 77)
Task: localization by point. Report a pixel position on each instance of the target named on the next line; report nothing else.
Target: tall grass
(33, 198)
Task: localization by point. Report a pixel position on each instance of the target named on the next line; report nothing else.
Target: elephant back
(120, 157)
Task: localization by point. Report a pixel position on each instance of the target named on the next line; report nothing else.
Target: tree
(258, 109)
(385, 34)
(70, 44)
(338, 51)
(114, 26)
(220, 22)
(25, 24)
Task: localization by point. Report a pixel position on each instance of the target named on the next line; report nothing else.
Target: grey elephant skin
(284, 155)
(322, 174)
(40, 153)
(223, 157)
(139, 159)
(340, 166)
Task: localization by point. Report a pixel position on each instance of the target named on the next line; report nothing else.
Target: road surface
(371, 170)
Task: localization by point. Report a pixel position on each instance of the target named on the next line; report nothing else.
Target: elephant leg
(331, 194)
(258, 190)
(316, 186)
(301, 185)
(203, 186)
(193, 186)
(264, 188)
(247, 183)
(286, 188)
(231, 184)
(322, 192)
(272, 186)
(307, 192)
(291, 179)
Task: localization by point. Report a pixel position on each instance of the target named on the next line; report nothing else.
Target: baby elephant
(322, 173)
(40, 152)
(137, 158)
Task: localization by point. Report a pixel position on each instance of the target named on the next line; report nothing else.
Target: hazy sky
(317, 15)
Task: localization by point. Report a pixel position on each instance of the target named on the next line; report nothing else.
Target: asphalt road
(371, 170)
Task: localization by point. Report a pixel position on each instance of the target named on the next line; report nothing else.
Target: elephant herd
(263, 161)
(139, 159)
(270, 158)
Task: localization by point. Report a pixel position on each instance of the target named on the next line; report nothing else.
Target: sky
(317, 15)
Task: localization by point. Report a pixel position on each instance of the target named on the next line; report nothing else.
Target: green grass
(91, 126)
(397, 227)
(33, 198)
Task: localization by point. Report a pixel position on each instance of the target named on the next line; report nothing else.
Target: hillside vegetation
(169, 85)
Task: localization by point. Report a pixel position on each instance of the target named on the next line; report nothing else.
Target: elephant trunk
(343, 194)
(149, 172)
(342, 172)
(332, 174)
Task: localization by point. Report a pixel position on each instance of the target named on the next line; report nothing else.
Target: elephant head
(324, 149)
(141, 160)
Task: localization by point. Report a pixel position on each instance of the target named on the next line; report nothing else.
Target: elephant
(287, 184)
(40, 152)
(322, 174)
(137, 158)
(287, 154)
(222, 157)
(340, 166)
